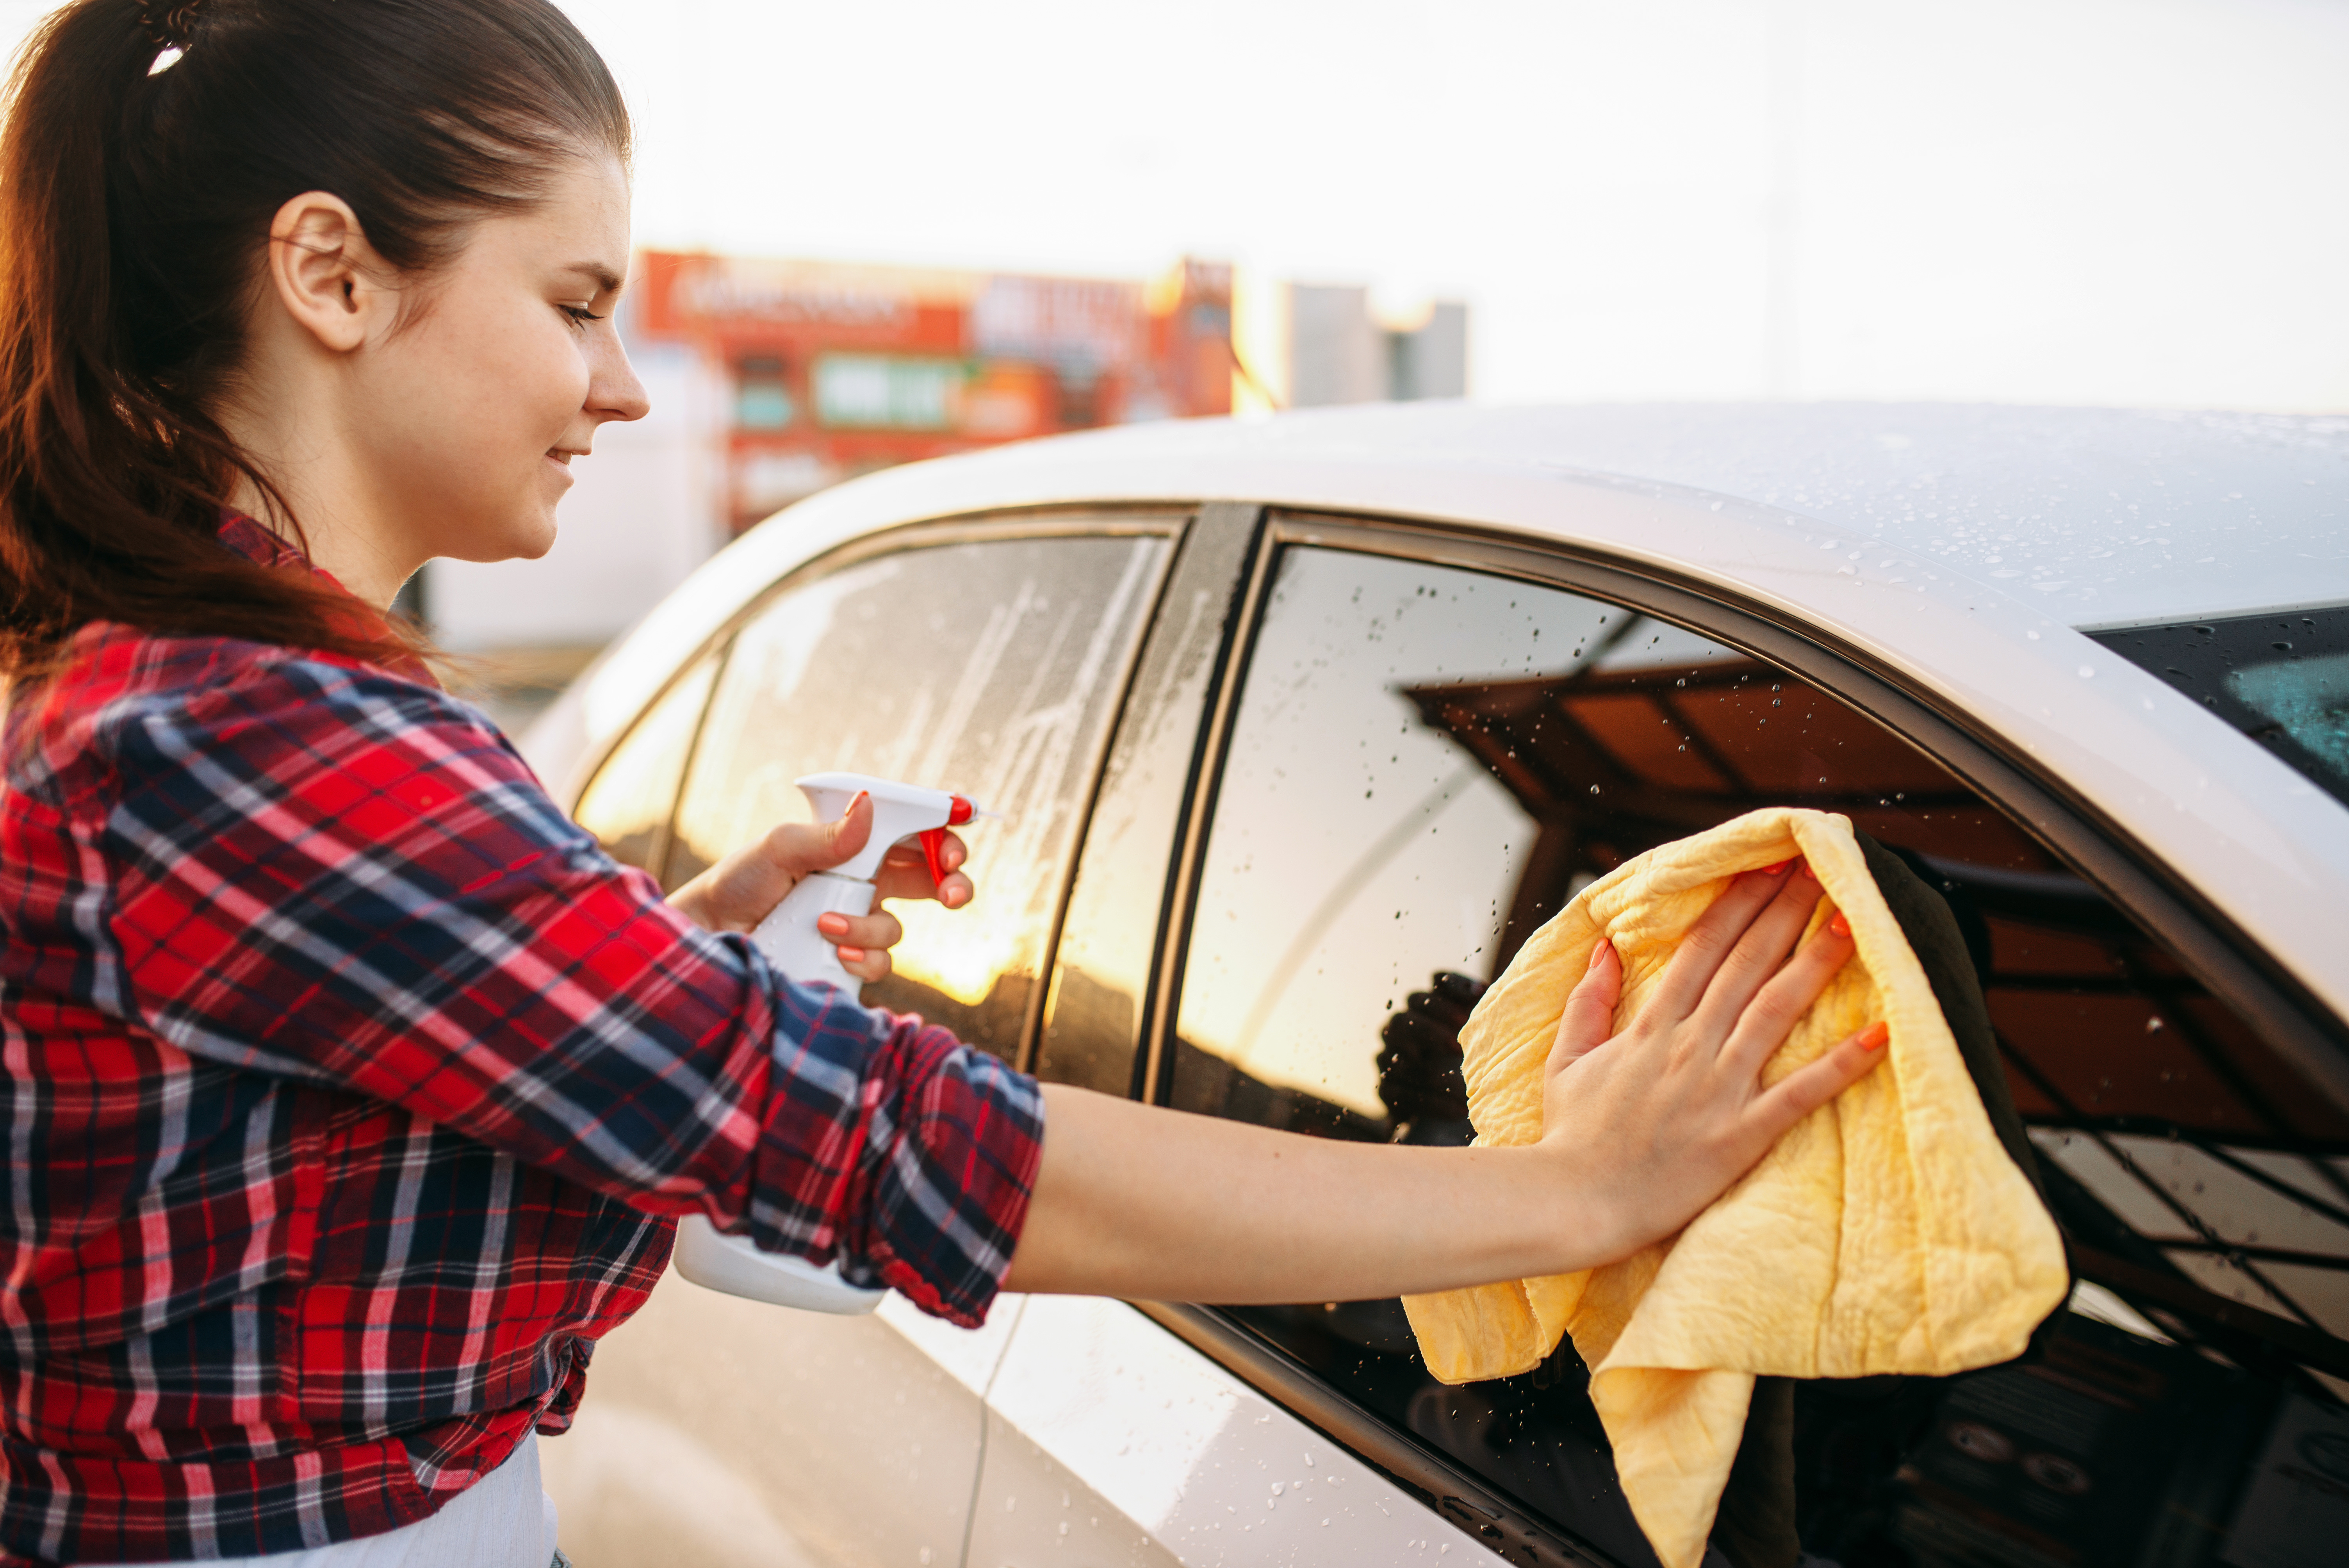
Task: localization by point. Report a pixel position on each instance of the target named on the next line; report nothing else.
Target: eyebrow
(606, 281)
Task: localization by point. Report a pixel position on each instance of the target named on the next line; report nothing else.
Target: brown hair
(134, 206)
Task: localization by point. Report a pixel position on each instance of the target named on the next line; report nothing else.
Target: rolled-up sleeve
(332, 873)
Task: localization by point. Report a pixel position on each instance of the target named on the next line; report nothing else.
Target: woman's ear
(325, 276)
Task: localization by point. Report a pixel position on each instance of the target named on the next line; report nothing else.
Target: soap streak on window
(990, 669)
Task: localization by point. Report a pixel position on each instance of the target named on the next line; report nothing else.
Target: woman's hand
(740, 891)
(1673, 1106)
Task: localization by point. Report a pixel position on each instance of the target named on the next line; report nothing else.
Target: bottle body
(788, 938)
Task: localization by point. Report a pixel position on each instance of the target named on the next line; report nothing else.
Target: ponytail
(136, 193)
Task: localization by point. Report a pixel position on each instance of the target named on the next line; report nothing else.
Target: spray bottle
(789, 937)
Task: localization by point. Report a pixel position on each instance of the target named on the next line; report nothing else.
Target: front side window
(991, 669)
(1426, 763)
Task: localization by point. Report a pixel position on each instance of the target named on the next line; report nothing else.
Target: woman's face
(505, 365)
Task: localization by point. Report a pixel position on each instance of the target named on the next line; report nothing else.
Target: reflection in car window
(628, 803)
(990, 669)
(2282, 678)
(1426, 763)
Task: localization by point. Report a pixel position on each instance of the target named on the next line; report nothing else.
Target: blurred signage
(836, 369)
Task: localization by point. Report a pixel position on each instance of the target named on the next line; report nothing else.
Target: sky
(2133, 201)
(2124, 202)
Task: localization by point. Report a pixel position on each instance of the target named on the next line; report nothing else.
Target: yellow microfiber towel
(1887, 1232)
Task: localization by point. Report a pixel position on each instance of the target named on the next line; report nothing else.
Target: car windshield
(2282, 678)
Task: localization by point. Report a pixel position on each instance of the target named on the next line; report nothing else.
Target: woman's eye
(580, 313)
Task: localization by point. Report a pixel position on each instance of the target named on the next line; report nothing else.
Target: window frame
(2207, 943)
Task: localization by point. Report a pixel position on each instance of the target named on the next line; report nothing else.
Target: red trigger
(933, 843)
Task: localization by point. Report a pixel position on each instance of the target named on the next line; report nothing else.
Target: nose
(614, 391)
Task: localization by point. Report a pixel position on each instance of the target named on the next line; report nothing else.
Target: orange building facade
(836, 370)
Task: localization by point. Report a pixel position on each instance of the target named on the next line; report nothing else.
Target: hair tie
(169, 23)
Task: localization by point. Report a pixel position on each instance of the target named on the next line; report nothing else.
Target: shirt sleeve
(330, 872)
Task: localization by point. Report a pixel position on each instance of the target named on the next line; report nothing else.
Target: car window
(989, 668)
(2282, 678)
(1426, 763)
(628, 803)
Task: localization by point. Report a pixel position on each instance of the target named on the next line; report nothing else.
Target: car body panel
(1185, 1464)
(869, 1465)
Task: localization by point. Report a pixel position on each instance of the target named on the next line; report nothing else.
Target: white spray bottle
(901, 813)
(789, 937)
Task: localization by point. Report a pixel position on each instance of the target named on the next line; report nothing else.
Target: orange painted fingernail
(1840, 926)
(1773, 870)
(832, 925)
(1872, 1037)
(1600, 951)
(1808, 872)
(851, 956)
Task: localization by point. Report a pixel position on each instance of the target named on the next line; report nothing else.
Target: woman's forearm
(1153, 1204)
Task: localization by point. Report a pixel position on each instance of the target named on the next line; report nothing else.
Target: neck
(293, 435)
(352, 556)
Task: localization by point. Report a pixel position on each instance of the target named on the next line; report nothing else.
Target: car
(1299, 725)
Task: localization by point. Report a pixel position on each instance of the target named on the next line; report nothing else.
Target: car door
(1428, 743)
(989, 658)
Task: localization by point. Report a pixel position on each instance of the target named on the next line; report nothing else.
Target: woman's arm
(1640, 1131)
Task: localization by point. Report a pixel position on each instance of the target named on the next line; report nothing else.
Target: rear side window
(1426, 763)
(2280, 678)
(991, 669)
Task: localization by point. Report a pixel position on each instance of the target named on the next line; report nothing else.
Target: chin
(533, 542)
(523, 535)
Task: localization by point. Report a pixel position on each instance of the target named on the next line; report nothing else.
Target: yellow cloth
(1887, 1232)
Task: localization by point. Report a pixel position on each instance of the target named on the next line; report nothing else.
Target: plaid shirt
(350, 1090)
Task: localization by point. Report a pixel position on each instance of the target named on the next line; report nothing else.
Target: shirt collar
(259, 545)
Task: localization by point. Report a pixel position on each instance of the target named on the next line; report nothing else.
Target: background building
(837, 370)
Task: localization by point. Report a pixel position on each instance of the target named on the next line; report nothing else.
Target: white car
(1299, 725)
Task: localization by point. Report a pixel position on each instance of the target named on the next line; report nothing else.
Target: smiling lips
(565, 454)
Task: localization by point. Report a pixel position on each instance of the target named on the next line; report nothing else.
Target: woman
(349, 1087)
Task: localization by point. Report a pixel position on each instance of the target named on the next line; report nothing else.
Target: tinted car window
(990, 669)
(1426, 763)
(2280, 678)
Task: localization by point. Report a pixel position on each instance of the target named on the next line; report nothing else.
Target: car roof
(2103, 517)
(1883, 526)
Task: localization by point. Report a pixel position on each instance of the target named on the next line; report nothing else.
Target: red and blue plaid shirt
(350, 1090)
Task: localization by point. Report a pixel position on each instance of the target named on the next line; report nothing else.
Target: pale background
(2107, 201)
